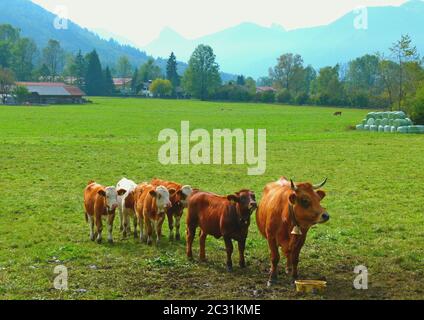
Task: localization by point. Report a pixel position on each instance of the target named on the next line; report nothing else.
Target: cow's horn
(317, 186)
(293, 185)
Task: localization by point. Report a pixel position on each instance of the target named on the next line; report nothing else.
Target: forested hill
(37, 24)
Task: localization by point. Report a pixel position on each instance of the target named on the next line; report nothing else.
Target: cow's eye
(304, 203)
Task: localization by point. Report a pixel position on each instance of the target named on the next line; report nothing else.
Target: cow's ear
(172, 191)
(102, 192)
(321, 194)
(292, 198)
(121, 192)
(180, 192)
(233, 198)
(153, 193)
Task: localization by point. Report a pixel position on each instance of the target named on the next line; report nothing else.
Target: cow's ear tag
(296, 231)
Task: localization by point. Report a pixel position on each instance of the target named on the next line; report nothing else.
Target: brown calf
(150, 204)
(219, 216)
(179, 201)
(285, 214)
(100, 202)
(339, 113)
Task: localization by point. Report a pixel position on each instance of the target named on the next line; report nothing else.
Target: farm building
(52, 93)
(265, 89)
(123, 85)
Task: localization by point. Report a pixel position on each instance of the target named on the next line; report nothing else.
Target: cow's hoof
(149, 242)
(92, 238)
(178, 237)
(229, 268)
(135, 235)
(99, 241)
(271, 282)
(110, 241)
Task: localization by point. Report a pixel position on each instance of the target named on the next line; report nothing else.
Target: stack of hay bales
(396, 121)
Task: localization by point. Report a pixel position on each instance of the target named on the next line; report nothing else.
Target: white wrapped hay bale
(416, 129)
(402, 129)
(387, 128)
(374, 128)
(380, 128)
(371, 122)
(393, 129)
(367, 127)
(360, 127)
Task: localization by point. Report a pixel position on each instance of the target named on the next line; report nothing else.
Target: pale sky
(142, 20)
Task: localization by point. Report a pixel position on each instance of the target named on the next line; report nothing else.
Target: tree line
(394, 82)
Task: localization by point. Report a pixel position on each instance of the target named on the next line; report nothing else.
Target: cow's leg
(110, 219)
(170, 225)
(99, 228)
(229, 247)
(295, 248)
(91, 223)
(126, 223)
(121, 219)
(135, 226)
(202, 241)
(275, 258)
(177, 228)
(191, 232)
(141, 225)
(159, 224)
(241, 247)
(149, 230)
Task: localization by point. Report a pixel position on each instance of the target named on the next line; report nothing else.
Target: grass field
(374, 196)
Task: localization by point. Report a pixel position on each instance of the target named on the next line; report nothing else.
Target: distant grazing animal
(179, 201)
(150, 203)
(285, 214)
(100, 203)
(220, 216)
(126, 206)
(338, 113)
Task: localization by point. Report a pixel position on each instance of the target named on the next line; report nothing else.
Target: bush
(266, 96)
(301, 98)
(284, 96)
(233, 93)
(21, 94)
(416, 107)
(161, 88)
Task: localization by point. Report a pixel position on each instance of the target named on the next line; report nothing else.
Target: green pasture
(375, 196)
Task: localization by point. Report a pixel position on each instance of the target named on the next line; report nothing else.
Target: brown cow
(100, 202)
(179, 201)
(150, 204)
(338, 113)
(285, 214)
(220, 216)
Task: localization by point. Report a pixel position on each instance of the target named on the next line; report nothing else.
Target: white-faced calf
(100, 203)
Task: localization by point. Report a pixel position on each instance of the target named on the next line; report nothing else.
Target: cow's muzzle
(324, 217)
(253, 206)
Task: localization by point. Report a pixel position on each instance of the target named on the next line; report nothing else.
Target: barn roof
(52, 89)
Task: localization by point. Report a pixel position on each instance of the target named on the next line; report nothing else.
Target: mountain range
(251, 49)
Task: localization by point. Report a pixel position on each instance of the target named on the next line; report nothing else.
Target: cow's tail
(86, 217)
